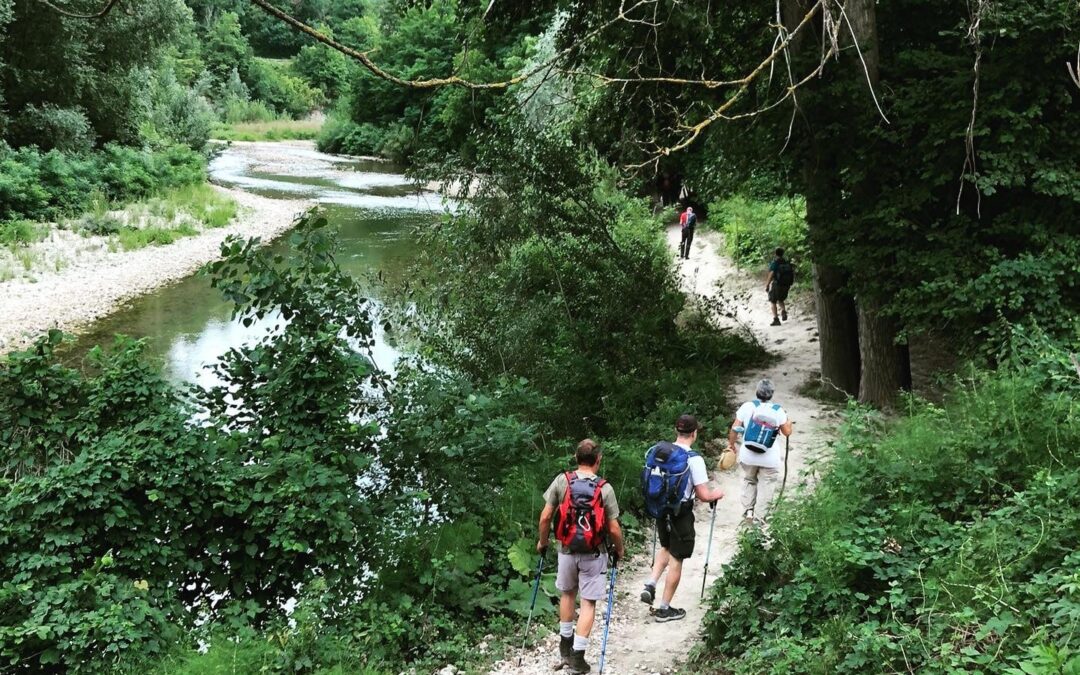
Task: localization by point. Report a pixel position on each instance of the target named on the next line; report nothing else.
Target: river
(373, 208)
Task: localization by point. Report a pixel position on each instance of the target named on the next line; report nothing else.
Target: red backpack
(581, 515)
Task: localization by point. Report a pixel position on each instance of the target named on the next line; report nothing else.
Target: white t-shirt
(771, 458)
(698, 473)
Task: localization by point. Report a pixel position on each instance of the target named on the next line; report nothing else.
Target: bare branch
(96, 15)
(1074, 72)
(436, 82)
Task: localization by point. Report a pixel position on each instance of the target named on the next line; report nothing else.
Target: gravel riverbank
(96, 281)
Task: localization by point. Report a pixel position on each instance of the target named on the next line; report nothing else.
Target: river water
(373, 208)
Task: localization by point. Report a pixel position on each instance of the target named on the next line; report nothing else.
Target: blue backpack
(760, 434)
(665, 477)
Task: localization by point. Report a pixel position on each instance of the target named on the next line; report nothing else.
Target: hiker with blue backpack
(586, 517)
(673, 475)
(759, 422)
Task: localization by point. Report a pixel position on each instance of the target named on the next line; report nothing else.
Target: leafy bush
(47, 186)
(132, 238)
(236, 110)
(19, 233)
(754, 228)
(323, 68)
(178, 114)
(942, 543)
(285, 93)
(48, 126)
(341, 135)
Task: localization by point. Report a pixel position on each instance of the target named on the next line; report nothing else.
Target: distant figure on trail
(667, 466)
(760, 422)
(588, 519)
(778, 283)
(687, 221)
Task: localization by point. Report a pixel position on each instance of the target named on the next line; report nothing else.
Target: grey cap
(765, 389)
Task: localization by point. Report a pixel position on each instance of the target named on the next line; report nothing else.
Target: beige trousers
(758, 487)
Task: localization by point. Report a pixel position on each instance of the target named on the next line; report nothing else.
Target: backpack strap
(775, 406)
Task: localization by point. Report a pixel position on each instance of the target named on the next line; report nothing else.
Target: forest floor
(96, 278)
(637, 644)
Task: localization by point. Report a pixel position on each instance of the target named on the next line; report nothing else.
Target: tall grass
(271, 130)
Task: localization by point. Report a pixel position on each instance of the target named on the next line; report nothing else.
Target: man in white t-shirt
(761, 422)
(676, 532)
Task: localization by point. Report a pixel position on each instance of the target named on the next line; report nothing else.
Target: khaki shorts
(584, 572)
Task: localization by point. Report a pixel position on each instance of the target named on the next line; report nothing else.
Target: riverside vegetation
(935, 163)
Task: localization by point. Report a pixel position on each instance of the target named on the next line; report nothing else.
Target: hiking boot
(775, 321)
(669, 614)
(575, 663)
(648, 594)
(783, 315)
(566, 647)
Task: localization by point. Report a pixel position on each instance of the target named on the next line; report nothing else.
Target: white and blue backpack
(761, 430)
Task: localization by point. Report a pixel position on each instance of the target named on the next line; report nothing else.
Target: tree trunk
(837, 329)
(886, 366)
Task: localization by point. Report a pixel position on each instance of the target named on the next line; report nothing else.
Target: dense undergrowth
(130, 535)
(753, 228)
(942, 542)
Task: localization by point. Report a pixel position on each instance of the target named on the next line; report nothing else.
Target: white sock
(566, 628)
(580, 643)
(664, 605)
(650, 584)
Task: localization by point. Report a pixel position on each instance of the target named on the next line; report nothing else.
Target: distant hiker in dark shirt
(587, 537)
(688, 220)
(778, 283)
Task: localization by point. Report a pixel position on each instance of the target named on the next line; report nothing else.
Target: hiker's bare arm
(732, 437)
(545, 526)
(615, 534)
(768, 280)
(707, 494)
(786, 428)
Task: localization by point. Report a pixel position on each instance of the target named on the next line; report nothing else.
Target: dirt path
(636, 643)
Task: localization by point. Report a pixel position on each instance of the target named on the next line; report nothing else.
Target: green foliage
(48, 186)
(118, 515)
(753, 229)
(282, 91)
(179, 114)
(323, 68)
(50, 127)
(944, 542)
(19, 233)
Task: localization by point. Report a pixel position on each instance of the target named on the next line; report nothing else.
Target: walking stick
(783, 481)
(607, 621)
(654, 541)
(708, 551)
(532, 606)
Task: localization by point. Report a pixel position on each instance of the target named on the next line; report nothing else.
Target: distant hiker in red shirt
(687, 221)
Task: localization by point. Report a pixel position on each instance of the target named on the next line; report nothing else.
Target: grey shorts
(584, 572)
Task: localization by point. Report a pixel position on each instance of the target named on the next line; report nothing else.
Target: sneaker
(775, 321)
(648, 594)
(566, 647)
(576, 662)
(670, 614)
(783, 315)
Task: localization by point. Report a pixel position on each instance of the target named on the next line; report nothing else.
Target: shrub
(343, 136)
(754, 228)
(48, 126)
(178, 114)
(944, 542)
(19, 233)
(286, 94)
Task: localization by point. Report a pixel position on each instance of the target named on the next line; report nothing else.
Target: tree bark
(838, 328)
(886, 366)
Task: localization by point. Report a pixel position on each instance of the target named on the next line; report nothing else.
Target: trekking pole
(708, 550)
(783, 481)
(654, 535)
(607, 621)
(532, 606)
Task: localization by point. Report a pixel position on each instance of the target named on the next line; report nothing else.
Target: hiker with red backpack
(687, 223)
(759, 422)
(673, 475)
(586, 517)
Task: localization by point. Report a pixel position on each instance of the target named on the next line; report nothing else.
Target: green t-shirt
(556, 492)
